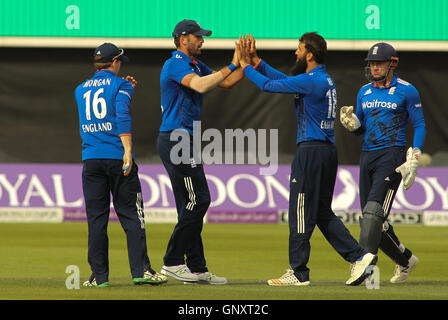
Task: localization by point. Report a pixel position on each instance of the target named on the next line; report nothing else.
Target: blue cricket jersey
(103, 107)
(384, 113)
(315, 101)
(180, 105)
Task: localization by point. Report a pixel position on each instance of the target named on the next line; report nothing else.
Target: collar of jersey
(101, 72)
(184, 56)
(318, 68)
(388, 85)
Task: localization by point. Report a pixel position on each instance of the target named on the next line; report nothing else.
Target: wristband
(246, 66)
(232, 67)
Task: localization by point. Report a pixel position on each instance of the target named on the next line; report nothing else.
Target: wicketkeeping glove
(408, 169)
(348, 119)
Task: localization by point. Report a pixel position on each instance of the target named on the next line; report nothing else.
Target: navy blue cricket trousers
(192, 198)
(100, 179)
(313, 176)
(378, 180)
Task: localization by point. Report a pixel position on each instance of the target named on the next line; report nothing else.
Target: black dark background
(39, 121)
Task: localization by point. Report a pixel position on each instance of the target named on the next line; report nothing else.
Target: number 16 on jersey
(98, 104)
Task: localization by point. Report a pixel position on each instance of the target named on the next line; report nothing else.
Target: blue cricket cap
(189, 27)
(382, 52)
(108, 52)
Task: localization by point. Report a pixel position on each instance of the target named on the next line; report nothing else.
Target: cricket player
(105, 126)
(314, 168)
(183, 81)
(383, 109)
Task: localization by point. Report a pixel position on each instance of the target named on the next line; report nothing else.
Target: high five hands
(246, 51)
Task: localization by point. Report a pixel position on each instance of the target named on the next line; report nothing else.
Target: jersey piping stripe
(124, 92)
(191, 194)
(301, 213)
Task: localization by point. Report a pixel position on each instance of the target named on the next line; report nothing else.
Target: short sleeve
(178, 69)
(205, 70)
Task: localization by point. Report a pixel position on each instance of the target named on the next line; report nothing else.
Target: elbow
(265, 88)
(424, 126)
(227, 86)
(201, 90)
(420, 127)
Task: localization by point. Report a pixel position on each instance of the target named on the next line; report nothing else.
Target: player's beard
(194, 50)
(299, 67)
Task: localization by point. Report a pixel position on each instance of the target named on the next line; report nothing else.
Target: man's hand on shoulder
(131, 80)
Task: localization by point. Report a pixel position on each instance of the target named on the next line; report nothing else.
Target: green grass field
(34, 258)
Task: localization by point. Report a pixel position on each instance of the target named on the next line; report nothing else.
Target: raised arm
(259, 64)
(236, 75)
(205, 83)
(297, 84)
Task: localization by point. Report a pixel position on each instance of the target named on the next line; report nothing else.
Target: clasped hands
(245, 52)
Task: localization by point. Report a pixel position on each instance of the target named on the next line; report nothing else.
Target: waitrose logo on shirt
(379, 104)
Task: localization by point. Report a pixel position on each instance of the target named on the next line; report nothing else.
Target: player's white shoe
(156, 275)
(180, 272)
(94, 284)
(402, 273)
(288, 279)
(208, 278)
(360, 269)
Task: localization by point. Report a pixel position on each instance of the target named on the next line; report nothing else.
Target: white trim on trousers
(301, 213)
(191, 195)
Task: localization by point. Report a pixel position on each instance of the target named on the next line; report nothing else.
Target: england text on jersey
(96, 127)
